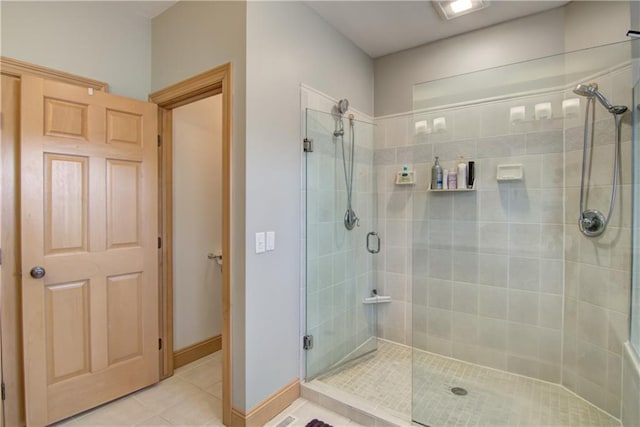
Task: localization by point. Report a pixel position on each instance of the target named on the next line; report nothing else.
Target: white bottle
(462, 174)
(445, 179)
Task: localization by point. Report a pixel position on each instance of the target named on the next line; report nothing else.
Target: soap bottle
(462, 174)
(404, 176)
(453, 180)
(436, 176)
(445, 179)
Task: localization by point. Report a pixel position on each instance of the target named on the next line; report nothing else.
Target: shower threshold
(376, 390)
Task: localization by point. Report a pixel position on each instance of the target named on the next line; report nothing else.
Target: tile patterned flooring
(192, 397)
(495, 398)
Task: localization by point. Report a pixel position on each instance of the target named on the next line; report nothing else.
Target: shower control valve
(592, 223)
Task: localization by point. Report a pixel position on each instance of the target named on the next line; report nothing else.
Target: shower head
(343, 105)
(591, 90)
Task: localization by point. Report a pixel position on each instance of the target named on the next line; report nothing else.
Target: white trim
(333, 100)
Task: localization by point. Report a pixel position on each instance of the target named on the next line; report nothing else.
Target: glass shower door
(635, 273)
(339, 268)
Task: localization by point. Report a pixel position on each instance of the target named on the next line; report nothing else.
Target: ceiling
(383, 27)
(151, 9)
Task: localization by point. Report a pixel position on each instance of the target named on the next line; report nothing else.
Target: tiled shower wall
(483, 273)
(598, 270)
(339, 271)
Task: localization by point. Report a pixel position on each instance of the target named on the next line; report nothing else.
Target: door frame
(213, 82)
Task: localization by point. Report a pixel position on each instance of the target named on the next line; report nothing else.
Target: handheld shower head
(343, 105)
(591, 90)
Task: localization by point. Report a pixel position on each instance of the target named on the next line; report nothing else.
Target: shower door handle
(373, 251)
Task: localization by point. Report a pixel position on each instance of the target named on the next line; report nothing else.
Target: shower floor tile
(495, 398)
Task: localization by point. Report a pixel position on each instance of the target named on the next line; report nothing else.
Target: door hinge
(307, 145)
(307, 342)
(3, 393)
(159, 343)
(159, 242)
(0, 256)
(159, 140)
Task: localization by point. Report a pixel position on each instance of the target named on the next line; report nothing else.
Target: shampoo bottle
(436, 176)
(462, 174)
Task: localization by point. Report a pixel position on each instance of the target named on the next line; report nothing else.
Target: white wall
(197, 221)
(188, 39)
(287, 44)
(100, 40)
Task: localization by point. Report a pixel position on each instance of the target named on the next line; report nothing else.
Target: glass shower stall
(503, 310)
(340, 271)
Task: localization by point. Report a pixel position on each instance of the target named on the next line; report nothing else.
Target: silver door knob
(38, 272)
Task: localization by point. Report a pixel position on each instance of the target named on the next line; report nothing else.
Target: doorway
(197, 230)
(211, 258)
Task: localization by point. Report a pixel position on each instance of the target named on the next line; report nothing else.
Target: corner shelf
(454, 190)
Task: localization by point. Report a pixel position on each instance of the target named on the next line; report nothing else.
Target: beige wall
(500, 44)
(287, 44)
(197, 221)
(594, 23)
(578, 25)
(103, 40)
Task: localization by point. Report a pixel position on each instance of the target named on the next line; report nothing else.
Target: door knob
(38, 272)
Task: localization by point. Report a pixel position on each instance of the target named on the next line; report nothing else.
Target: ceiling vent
(449, 9)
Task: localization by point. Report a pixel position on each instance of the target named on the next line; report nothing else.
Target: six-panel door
(89, 218)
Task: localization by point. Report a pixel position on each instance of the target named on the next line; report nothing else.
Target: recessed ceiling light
(450, 9)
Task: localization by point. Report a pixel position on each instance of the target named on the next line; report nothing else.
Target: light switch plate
(260, 242)
(271, 240)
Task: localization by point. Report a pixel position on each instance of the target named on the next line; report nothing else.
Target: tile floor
(301, 412)
(495, 398)
(192, 397)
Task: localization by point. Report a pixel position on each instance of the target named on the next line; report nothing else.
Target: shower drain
(459, 391)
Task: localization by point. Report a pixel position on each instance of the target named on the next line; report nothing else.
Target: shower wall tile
(492, 302)
(545, 142)
(440, 294)
(524, 273)
(465, 298)
(492, 269)
(451, 151)
(521, 203)
(523, 307)
(597, 277)
(466, 123)
(551, 276)
(553, 171)
(502, 276)
(384, 156)
(550, 311)
(502, 146)
(418, 153)
(466, 239)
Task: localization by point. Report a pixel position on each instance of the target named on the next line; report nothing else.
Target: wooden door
(89, 218)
